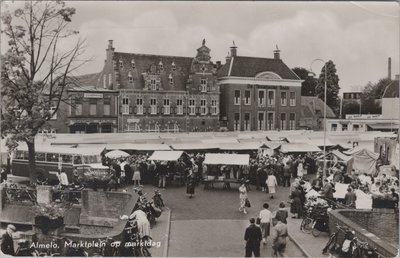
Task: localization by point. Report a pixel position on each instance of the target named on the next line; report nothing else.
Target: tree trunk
(32, 163)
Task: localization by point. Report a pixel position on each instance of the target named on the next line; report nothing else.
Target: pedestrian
(296, 207)
(243, 196)
(3, 176)
(7, 242)
(271, 184)
(327, 189)
(253, 238)
(279, 235)
(286, 175)
(191, 182)
(265, 222)
(128, 173)
(136, 175)
(281, 214)
(162, 174)
(350, 198)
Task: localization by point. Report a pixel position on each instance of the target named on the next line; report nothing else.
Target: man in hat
(7, 243)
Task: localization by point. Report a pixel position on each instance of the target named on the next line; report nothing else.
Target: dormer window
(121, 64)
(161, 66)
(130, 77)
(171, 81)
(133, 63)
(203, 84)
(153, 84)
(173, 66)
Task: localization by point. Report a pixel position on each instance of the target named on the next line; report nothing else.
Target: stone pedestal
(44, 194)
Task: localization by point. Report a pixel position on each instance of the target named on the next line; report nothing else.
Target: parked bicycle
(157, 199)
(332, 245)
(134, 245)
(363, 249)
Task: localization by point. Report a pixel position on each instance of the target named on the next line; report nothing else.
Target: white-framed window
(247, 97)
(236, 122)
(171, 81)
(139, 106)
(203, 84)
(192, 107)
(107, 107)
(121, 64)
(247, 126)
(261, 98)
(173, 66)
(153, 84)
(271, 97)
(52, 109)
(105, 81)
(283, 98)
(270, 120)
(292, 99)
(125, 105)
(153, 106)
(334, 127)
(344, 127)
(236, 99)
(133, 64)
(167, 107)
(179, 106)
(92, 107)
(214, 107)
(283, 121)
(261, 121)
(292, 121)
(203, 107)
(130, 77)
(109, 79)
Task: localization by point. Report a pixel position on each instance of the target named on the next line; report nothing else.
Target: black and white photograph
(200, 128)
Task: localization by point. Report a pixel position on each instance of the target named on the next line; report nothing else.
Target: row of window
(344, 127)
(265, 123)
(133, 65)
(265, 97)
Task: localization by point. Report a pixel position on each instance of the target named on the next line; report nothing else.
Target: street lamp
(312, 74)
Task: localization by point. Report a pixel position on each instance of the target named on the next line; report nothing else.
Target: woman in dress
(190, 184)
(136, 175)
(296, 207)
(300, 169)
(271, 183)
(243, 196)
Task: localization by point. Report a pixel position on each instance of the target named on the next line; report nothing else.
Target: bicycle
(320, 224)
(312, 214)
(332, 242)
(363, 249)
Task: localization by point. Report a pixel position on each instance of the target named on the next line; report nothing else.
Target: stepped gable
(145, 64)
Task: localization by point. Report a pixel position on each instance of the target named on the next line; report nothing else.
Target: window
(173, 66)
(93, 107)
(179, 106)
(130, 78)
(107, 105)
(356, 127)
(292, 121)
(203, 84)
(109, 79)
(125, 106)
(292, 99)
(283, 98)
(261, 98)
(236, 122)
(133, 65)
(121, 64)
(52, 109)
(261, 121)
(153, 84)
(283, 121)
(78, 108)
(104, 81)
(247, 121)
(161, 66)
(171, 81)
(334, 127)
(247, 97)
(192, 106)
(139, 106)
(167, 108)
(153, 106)
(270, 120)
(344, 127)
(203, 107)
(237, 97)
(214, 107)
(40, 156)
(271, 98)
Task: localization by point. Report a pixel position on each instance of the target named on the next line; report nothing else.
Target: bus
(50, 160)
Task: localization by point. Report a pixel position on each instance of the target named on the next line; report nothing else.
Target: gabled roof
(392, 90)
(244, 66)
(315, 105)
(143, 63)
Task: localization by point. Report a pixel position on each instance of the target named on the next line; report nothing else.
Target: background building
(391, 100)
(312, 113)
(258, 93)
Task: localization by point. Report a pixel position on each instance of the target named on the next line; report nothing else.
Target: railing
(19, 194)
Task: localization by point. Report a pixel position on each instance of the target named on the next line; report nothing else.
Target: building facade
(258, 94)
(163, 93)
(362, 123)
(391, 100)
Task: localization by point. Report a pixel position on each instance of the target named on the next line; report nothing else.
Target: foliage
(309, 83)
(371, 93)
(34, 70)
(332, 84)
(95, 175)
(351, 108)
(52, 210)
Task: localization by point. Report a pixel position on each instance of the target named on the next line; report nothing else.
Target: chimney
(233, 49)
(227, 58)
(277, 52)
(389, 68)
(110, 44)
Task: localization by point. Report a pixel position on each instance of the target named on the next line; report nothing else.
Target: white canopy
(193, 146)
(137, 146)
(115, 154)
(298, 147)
(226, 159)
(240, 146)
(166, 155)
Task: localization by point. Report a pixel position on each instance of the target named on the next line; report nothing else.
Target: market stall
(298, 148)
(226, 159)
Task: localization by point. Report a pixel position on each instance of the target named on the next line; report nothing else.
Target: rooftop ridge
(153, 55)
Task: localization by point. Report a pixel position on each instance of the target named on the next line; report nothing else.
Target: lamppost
(312, 74)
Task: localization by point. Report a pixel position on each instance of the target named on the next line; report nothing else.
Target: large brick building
(258, 93)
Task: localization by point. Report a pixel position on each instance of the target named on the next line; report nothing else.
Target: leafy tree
(332, 82)
(309, 83)
(371, 95)
(351, 108)
(34, 69)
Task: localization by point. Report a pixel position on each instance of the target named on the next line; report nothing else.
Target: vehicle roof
(64, 150)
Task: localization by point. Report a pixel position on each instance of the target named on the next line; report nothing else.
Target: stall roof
(226, 159)
(320, 142)
(138, 146)
(276, 138)
(298, 139)
(220, 140)
(384, 126)
(298, 147)
(240, 146)
(193, 146)
(166, 155)
(271, 145)
(338, 154)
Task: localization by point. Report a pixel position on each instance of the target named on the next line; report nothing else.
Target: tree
(371, 95)
(34, 69)
(351, 108)
(332, 91)
(309, 83)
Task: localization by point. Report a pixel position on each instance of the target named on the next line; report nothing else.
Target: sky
(357, 36)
